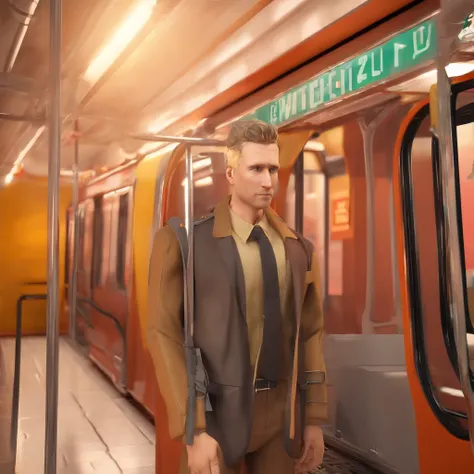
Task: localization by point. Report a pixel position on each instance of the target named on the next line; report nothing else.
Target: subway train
(361, 177)
(378, 179)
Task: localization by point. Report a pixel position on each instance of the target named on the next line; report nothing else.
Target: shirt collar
(243, 228)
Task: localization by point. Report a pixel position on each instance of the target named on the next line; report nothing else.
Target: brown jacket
(220, 332)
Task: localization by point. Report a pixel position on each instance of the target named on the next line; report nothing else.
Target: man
(258, 324)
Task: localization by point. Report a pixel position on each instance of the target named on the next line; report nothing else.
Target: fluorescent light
(121, 38)
(22, 154)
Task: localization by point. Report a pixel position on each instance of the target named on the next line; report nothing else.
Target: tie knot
(256, 234)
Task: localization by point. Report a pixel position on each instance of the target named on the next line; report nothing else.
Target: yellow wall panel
(23, 251)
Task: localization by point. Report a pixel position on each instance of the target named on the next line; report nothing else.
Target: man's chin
(263, 201)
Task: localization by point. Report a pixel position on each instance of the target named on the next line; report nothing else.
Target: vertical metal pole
(52, 330)
(394, 258)
(190, 353)
(448, 173)
(368, 131)
(368, 126)
(327, 238)
(75, 247)
(299, 192)
(189, 220)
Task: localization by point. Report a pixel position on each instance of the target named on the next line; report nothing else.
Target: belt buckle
(263, 389)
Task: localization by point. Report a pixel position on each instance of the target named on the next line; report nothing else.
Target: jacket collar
(223, 222)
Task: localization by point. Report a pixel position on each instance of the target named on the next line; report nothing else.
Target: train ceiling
(141, 66)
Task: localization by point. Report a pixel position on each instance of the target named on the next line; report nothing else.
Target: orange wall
(23, 251)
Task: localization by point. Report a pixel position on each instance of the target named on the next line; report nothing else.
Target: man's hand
(203, 455)
(313, 450)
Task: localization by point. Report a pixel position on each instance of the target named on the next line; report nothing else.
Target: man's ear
(229, 172)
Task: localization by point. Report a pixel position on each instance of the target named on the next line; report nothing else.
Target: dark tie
(269, 362)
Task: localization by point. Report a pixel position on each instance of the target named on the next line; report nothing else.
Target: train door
(427, 207)
(84, 265)
(109, 282)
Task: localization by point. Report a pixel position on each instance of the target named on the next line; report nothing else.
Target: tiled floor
(98, 430)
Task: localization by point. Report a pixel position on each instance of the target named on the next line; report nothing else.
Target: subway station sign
(399, 54)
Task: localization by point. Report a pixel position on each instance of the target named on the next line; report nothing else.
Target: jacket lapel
(222, 232)
(230, 256)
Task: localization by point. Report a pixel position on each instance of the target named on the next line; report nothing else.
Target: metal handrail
(444, 123)
(117, 323)
(16, 375)
(118, 326)
(83, 315)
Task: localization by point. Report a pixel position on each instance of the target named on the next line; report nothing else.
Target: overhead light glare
(204, 182)
(17, 164)
(121, 38)
(200, 183)
(459, 69)
(200, 164)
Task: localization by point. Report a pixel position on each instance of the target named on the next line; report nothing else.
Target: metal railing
(16, 375)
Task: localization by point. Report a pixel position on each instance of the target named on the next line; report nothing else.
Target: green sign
(468, 29)
(401, 53)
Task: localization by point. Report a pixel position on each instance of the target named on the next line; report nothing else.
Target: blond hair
(248, 131)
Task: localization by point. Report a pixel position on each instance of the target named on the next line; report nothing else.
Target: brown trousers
(266, 453)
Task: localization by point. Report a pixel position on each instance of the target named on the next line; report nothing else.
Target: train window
(122, 240)
(435, 358)
(210, 183)
(97, 242)
(110, 231)
(465, 164)
(464, 160)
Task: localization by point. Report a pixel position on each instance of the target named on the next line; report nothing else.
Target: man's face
(255, 179)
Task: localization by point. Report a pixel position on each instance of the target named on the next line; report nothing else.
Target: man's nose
(266, 179)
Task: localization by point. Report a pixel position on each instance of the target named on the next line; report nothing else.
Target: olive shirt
(249, 253)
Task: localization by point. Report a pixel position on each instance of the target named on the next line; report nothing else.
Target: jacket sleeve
(165, 336)
(316, 411)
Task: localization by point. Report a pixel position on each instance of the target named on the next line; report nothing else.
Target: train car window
(434, 359)
(463, 141)
(110, 219)
(210, 183)
(464, 153)
(97, 242)
(122, 240)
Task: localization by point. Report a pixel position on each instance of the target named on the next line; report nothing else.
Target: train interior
(361, 178)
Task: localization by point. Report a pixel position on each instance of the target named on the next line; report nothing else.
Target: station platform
(99, 431)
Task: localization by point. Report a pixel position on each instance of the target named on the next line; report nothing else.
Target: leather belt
(262, 385)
